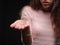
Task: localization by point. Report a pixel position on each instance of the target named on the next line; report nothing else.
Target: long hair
(55, 14)
(56, 17)
(56, 20)
(35, 4)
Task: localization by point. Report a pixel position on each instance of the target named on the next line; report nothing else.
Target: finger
(12, 25)
(17, 27)
(27, 25)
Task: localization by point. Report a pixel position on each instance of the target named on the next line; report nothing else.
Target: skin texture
(20, 24)
(46, 4)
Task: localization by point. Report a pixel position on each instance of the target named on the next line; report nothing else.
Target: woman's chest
(41, 25)
(41, 21)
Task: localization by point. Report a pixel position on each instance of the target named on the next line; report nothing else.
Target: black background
(8, 14)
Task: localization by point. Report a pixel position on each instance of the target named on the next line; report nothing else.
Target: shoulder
(26, 8)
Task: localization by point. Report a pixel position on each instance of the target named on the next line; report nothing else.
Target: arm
(27, 40)
(26, 34)
(23, 24)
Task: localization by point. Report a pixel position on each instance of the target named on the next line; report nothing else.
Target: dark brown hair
(35, 4)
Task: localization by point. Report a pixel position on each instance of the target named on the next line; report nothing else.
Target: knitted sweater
(40, 26)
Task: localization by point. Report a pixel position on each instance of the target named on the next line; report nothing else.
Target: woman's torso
(41, 27)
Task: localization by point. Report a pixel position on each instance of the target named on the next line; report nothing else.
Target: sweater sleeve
(26, 34)
(25, 13)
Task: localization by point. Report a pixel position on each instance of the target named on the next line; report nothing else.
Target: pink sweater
(40, 26)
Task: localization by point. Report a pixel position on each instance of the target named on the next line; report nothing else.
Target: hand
(20, 24)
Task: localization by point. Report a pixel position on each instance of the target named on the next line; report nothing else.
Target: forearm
(26, 36)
